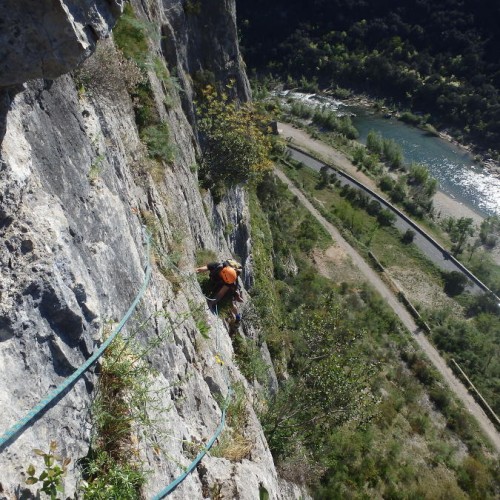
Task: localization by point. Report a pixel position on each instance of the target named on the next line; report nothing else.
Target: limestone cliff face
(46, 38)
(76, 192)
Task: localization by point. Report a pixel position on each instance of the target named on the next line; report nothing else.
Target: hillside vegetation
(360, 413)
(438, 57)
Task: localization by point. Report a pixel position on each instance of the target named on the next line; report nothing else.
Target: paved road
(455, 385)
(421, 240)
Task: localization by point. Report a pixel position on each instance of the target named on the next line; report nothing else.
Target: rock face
(47, 38)
(77, 196)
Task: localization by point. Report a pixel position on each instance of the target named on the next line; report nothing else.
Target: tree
(374, 142)
(324, 177)
(235, 139)
(386, 183)
(393, 154)
(328, 382)
(489, 233)
(408, 237)
(386, 217)
(460, 230)
(418, 175)
(454, 283)
(374, 207)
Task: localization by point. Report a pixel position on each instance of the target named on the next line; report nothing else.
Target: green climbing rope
(10, 434)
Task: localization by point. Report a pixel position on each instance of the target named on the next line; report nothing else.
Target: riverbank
(491, 166)
(445, 205)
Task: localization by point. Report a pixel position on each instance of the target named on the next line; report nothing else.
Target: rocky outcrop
(77, 196)
(47, 38)
(198, 41)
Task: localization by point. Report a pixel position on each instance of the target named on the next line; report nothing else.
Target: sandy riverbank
(445, 206)
(483, 159)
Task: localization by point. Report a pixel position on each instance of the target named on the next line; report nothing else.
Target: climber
(224, 275)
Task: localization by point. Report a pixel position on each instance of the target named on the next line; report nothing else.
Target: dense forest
(439, 57)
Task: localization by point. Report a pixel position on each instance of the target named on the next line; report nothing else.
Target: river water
(454, 168)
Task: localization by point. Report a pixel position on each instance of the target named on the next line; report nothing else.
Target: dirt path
(455, 385)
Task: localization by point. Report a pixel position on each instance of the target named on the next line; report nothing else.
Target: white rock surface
(72, 259)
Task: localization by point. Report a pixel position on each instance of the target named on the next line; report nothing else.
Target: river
(451, 165)
(454, 168)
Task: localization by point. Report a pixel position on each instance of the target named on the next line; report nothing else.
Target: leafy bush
(392, 153)
(51, 478)
(122, 74)
(301, 110)
(237, 146)
(386, 183)
(454, 282)
(375, 143)
(330, 121)
(386, 217)
(156, 138)
(489, 233)
(131, 36)
(407, 238)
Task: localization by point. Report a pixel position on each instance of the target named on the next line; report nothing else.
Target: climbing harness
(10, 434)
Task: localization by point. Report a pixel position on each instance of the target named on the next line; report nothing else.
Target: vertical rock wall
(75, 195)
(47, 38)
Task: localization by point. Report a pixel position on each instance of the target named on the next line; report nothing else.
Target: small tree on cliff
(234, 135)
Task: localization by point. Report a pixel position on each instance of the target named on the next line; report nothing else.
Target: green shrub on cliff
(235, 136)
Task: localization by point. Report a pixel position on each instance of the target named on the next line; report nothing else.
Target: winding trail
(455, 385)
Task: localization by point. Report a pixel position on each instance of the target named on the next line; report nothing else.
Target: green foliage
(387, 183)
(329, 380)
(112, 468)
(408, 237)
(301, 110)
(96, 169)
(489, 233)
(392, 154)
(330, 121)
(237, 146)
(386, 217)
(375, 143)
(169, 82)
(385, 457)
(249, 360)
(131, 36)
(51, 478)
(120, 481)
(421, 188)
(156, 138)
(411, 119)
(233, 444)
(434, 57)
(199, 315)
(454, 282)
(473, 342)
(459, 231)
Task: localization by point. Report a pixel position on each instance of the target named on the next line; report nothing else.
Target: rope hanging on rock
(219, 360)
(10, 434)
